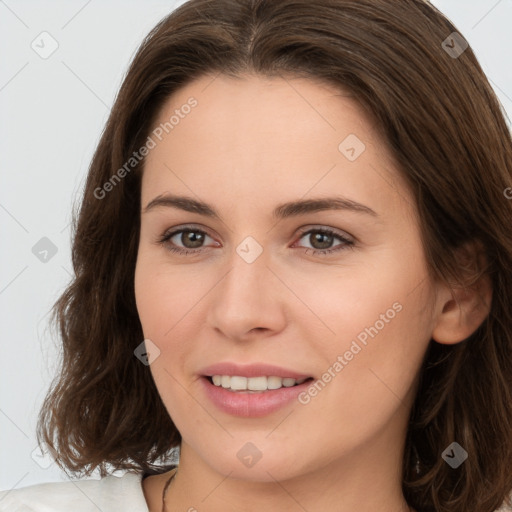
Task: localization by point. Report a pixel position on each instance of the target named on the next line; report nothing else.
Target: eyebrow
(283, 211)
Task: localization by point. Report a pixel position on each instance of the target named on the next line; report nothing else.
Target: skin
(249, 145)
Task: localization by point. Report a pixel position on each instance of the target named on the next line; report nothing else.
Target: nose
(248, 300)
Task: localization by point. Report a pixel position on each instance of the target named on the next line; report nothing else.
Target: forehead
(268, 140)
(284, 106)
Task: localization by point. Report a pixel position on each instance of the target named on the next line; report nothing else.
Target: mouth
(252, 391)
(257, 384)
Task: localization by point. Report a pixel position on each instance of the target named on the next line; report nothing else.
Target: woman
(293, 263)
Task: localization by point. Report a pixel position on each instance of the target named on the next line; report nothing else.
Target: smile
(259, 384)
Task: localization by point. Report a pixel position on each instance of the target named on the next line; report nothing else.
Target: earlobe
(462, 309)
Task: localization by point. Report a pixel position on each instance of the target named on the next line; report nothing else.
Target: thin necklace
(166, 487)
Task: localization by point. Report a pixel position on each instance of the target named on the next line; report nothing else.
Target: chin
(259, 460)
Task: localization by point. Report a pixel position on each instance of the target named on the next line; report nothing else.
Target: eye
(321, 240)
(190, 238)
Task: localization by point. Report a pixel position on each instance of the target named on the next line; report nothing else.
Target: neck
(356, 483)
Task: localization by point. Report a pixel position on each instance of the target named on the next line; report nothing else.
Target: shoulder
(505, 507)
(109, 494)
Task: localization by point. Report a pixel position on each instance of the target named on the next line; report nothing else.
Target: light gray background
(52, 114)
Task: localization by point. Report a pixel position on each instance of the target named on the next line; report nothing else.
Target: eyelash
(347, 244)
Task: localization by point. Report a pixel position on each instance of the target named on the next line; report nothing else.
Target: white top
(109, 494)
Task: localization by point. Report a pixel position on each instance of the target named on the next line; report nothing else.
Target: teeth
(237, 383)
(288, 383)
(256, 383)
(274, 382)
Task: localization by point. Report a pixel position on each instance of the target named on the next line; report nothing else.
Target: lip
(251, 405)
(251, 370)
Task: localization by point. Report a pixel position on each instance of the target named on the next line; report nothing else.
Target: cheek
(367, 372)
(164, 301)
(385, 301)
(164, 295)
(382, 337)
(378, 329)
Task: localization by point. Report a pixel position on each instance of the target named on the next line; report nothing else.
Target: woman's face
(307, 259)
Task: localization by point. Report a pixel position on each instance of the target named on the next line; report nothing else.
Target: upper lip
(251, 370)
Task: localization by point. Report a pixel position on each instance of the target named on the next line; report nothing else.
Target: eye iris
(325, 244)
(193, 237)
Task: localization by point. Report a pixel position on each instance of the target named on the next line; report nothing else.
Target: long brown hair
(448, 134)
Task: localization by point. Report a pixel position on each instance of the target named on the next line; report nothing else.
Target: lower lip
(252, 405)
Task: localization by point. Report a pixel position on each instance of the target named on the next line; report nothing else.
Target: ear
(463, 307)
